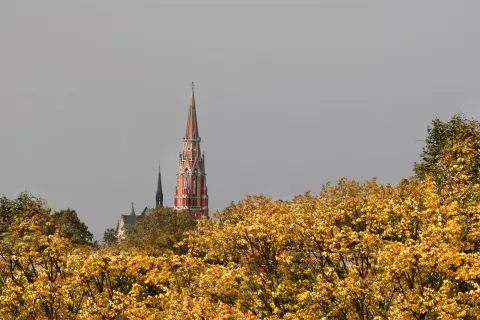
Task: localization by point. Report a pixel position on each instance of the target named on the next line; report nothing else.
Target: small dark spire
(159, 195)
(132, 213)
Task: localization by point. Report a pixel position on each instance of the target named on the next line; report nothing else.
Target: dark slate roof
(129, 219)
(146, 211)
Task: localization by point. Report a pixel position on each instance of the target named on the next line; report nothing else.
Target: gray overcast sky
(289, 96)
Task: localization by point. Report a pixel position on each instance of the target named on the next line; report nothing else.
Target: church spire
(132, 212)
(159, 195)
(192, 125)
(191, 193)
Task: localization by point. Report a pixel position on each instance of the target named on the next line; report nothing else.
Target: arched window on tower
(187, 179)
(195, 179)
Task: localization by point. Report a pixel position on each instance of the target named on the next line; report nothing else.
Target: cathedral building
(191, 192)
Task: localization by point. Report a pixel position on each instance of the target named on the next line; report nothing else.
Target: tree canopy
(110, 236)
(162, 228)
(67, 223)
(354, 251)
(452, 150)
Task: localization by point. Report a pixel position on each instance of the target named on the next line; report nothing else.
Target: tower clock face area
(191, 191)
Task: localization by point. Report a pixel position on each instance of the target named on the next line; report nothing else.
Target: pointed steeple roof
(132, 212)
(159, 195)
(192, 125)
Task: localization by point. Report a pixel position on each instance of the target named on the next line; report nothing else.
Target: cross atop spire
(192, 125)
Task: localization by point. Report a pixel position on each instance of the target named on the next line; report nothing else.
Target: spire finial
(193, 86)
(133, 210)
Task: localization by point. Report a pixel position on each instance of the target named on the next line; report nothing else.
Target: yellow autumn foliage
(354, 251)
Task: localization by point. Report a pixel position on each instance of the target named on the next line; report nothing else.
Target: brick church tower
(191, 192)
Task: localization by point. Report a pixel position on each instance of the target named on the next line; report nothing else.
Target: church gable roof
(129, 219)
